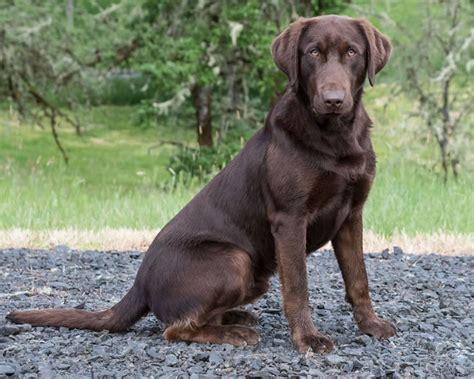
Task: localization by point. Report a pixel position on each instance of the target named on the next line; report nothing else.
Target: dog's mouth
(330, 113)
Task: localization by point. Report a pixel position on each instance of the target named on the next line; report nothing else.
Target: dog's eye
(314, 52)
(351, 52)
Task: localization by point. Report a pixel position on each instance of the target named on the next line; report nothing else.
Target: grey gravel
(428, 297)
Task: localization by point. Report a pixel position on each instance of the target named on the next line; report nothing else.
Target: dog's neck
(337, 136)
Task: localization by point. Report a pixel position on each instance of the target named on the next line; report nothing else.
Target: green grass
(114, 181)
(411, 200)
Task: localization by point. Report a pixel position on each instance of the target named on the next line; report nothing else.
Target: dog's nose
(333, 99)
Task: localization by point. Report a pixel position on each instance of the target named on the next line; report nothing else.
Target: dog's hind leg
(239, 317)
(236, 335)
(199, 308)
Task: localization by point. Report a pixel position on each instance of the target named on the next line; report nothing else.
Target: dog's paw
(317, 342)
(242, 336)
(377, 328)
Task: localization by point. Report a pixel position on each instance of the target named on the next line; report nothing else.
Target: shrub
(196, 165)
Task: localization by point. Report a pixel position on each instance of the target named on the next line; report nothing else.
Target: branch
(467, 109)
(51, 111)
(34, 29)
(54, 131)
(108, 11)
(47, 105)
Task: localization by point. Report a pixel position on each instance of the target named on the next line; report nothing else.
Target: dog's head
(329, 57)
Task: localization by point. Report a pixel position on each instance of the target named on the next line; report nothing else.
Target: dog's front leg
(289, 233)
(348, 248)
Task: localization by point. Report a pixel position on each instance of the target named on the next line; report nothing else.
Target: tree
(197, 52)
(444, 111)
(49, 50)
(435, 59)
(218, 50)
(180, 36)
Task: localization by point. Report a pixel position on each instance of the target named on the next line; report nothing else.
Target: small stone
(59, 285)
(403, 327)
(135, 255)
(315, 372)
(461, 370)
(353, 351)
(385, 254)
(215, 358)
(201, 357)
(356, 365)
(424, 327)
(62, 249)
(397, 250)
(377, 372)
(63, 366)
(7, 370)
(348, 367)
(334, 359)
(364, 340)
(256, 364)
(196, 370)
(25, 328)
(100, 352)
(9, 330)
(171, 360)
(153, 353)
(389, 371)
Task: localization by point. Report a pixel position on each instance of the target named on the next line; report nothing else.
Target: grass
(411, 200)
(114, 181)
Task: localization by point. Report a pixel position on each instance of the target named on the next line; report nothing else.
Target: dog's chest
(329, 203)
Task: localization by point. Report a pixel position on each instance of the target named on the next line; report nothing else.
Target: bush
(199, 164)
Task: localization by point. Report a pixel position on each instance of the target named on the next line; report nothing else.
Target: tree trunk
(201, 97)
(308, 8)
(232, 90)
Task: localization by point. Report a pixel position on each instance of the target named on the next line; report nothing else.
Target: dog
(298, 183)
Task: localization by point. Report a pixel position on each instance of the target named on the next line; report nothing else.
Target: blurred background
(114, 113)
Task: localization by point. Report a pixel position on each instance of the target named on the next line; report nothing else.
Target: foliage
(47, 51)
(447, 64)
(57, 58)
(199, 164)
(224, 45)
(432, 63)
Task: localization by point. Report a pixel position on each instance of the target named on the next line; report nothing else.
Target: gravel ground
(430, 298)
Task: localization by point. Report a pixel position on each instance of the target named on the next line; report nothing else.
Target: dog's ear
(378, 49)
(285, 51)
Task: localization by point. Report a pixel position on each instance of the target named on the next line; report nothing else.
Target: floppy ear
(285, 51)
(378, 49)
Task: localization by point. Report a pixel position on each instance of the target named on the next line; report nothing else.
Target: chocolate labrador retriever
(300, 182)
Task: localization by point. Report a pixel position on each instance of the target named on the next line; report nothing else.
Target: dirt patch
(132, 239)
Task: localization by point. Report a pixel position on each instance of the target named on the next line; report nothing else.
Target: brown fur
(300, 182)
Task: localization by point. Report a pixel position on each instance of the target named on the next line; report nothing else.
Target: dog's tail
(116, 319)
